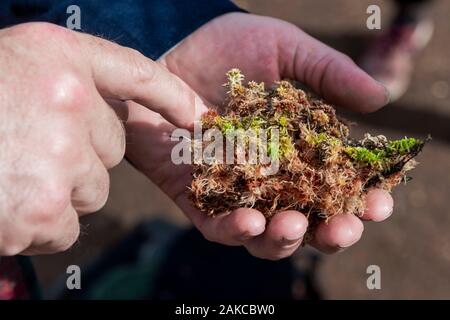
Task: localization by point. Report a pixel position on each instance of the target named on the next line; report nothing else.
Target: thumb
(335, 76)
(125, 74)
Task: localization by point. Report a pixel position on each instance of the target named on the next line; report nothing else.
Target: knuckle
(70, 238)
(13, 245)
(102, 192)
(113, 155)
(49, 203)
(121, 149)
(67, 92)
(88, 167)
(62, 145)
(121, 144)
(36, 201)
(9, 250)
(95, 196)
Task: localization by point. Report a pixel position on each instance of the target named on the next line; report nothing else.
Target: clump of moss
(322, 172)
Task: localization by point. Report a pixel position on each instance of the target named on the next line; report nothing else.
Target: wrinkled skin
(265, 49)
(58, 136)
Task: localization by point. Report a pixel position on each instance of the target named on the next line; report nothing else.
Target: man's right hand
(58, 135)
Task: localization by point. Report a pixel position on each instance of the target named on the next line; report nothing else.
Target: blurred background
(412, 247)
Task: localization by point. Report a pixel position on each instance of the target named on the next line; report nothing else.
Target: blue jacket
(150, 26)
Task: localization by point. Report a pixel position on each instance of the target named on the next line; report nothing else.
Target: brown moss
(322, 172)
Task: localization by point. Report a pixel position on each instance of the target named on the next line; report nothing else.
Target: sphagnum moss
(322, 172)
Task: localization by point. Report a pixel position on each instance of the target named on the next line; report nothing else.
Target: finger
(14, 238)
(91, 187)
(125, 74)
(235, 228)
(332, 75)
(282, 237)
(341, 231)
(379, 205)
(107, 131)
(231, 229)
(57, 236)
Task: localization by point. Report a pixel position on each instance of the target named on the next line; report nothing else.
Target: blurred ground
(413, 246)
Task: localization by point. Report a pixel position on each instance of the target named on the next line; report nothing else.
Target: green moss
(403, 146)
(333, 141)
(235, 77)
(322, 171)
(254, 123)
(316, 139)
(225, 125)
(274, 150)
(361, 154)
(382, 156)
(286, 144)
(283, 121)
(283, 148)
(378, 157)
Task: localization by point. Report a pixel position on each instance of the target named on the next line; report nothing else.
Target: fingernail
(245, 237)
(388, 207)
(387, 94)
(294, 237)
(350, 235)
(295, 231)
(380, 204)
(349, 244)
(345, 246)
(390, 211)
(250, 234)
(287, 242)
(200, 108)
(386, 212)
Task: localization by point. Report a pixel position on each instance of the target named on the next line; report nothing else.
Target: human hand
(58, 136)
(265, 49)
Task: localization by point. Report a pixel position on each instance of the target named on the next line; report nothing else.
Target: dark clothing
(150, 26)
